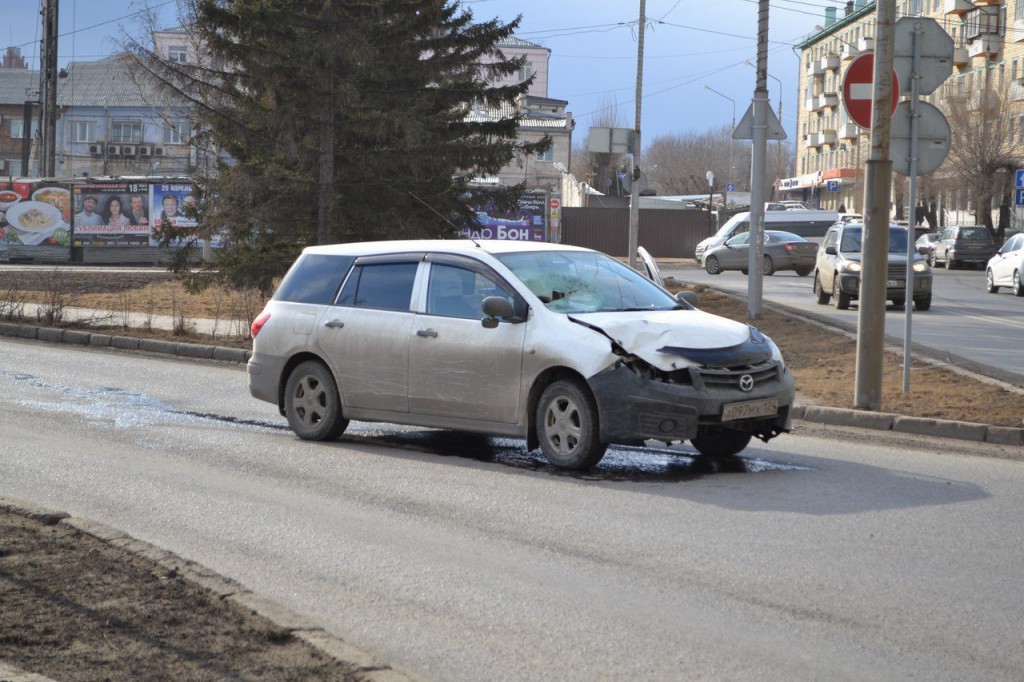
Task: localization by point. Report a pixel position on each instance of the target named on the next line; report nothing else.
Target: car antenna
(470, 237)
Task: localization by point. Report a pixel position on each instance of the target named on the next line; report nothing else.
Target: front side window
(586, 282)
(458, 292)
(384, 286)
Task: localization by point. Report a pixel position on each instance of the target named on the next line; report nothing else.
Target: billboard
(34, 213)
(526, 222)
(111, 214)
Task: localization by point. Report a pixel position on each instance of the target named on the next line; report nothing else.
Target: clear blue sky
(593, 50)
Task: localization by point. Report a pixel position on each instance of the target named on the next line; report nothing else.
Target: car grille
(729, 377)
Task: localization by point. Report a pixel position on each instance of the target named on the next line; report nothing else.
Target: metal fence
(665, 233)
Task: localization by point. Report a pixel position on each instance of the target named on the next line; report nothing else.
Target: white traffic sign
(936, 53)
(932, 138)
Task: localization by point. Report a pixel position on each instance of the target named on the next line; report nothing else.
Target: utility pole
(875, 244)
(634, 194)
(755, 262)
(48, 93)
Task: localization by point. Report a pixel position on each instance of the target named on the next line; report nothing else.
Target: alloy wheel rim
(310, 399)
(562, 425)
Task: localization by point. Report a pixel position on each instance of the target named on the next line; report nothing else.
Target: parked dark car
(838, 269)
(962, 244)
(782, 251)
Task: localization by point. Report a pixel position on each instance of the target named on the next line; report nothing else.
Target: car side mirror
(830, 250)
(495, 307)
(689, 297)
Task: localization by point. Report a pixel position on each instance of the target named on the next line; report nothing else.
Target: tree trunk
(325, 185)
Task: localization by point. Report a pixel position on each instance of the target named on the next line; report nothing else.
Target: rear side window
(979, 234)
(385, 286)
(314, 279)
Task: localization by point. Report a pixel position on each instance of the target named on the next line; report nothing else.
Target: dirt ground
(74, 608)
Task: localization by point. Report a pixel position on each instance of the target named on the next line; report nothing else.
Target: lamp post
(731, 130)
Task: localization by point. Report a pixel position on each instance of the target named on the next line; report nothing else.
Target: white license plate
(767, 407)
(893, 283)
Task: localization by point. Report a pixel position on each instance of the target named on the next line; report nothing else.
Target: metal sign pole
(911, 231)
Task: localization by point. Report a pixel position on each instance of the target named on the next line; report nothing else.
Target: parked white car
(563, 346)
(1006, 268)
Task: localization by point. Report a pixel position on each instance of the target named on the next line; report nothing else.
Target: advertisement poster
(34, 214)
(111, 215)
(168, 205)
(524, 223)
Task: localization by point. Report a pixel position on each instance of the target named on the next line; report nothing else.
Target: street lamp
(732, 130)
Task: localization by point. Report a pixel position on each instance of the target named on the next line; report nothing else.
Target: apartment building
(831, 150)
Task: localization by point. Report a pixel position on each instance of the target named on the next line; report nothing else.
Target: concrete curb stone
(125, 342)
(50, 334)
(194, 350)
(100, 339)
(222, 587)
(1004, 435)
(157, 346)
(843, 417)
(942, 428)
(74, 336)
(27, 332)
(230, 354)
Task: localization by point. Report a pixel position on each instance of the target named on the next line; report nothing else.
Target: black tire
(898, 302)
(821, 297)
(990, 282)
(802, 272)
(720, 442)
(924, 303)
(768, 267)
(312, 403)
(931, 259)
(950, 263)
(840, 299)
(712, 266)
(567, 428)
(1018, 285)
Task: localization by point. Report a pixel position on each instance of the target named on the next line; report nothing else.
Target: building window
(130, 133)
(177, 54)
(548, 155)
(82, 131)
(176, 133)
(14, 166)
(18, 128)
(525, 71)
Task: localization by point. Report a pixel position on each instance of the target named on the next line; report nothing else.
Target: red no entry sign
(858, 89)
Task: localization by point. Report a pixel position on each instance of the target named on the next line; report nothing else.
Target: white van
(810, 224)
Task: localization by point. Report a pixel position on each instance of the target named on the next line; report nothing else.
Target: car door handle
(334, 324)
(426, 332)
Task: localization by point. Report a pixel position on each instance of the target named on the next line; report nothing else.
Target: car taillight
(790, 247)
(258, 323)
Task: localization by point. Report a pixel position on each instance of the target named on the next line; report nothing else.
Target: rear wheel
(802, 272)
(990, 282)
(720, 442)
(931, 259)
(840, 299)
(950, 263)
(898, 302)
(1018, 285)
(923, 303)
(769, 266)
(312, 403)
(712, 265)
(567, 426)
(821, 296)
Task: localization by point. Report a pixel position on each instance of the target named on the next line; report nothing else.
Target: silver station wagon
(563, 346)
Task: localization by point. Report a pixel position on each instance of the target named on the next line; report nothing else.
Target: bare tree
(678, 164)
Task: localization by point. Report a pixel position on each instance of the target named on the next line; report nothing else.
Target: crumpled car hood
(663, 337)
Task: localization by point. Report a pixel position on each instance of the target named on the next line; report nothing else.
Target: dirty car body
(560, 345)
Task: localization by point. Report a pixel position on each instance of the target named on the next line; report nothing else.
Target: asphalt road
(964, 321)
(826, 556)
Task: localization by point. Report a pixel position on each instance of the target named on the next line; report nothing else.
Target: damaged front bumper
(637, 402)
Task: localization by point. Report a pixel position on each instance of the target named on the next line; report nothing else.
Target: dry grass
(822, 361)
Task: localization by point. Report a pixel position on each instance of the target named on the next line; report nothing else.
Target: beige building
(988, 38)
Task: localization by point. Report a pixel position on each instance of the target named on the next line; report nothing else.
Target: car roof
(465, 247)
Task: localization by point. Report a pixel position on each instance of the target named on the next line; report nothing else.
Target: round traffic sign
(555, 203)
(859, 89)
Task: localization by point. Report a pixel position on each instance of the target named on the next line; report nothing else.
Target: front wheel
(712, 265)
(821, 297)
(990, 282)
(312, 403)
(950, 264)
(720, 442)
(802, 272)
(769, 266)
(923, 303)
(841, 300)
(1018, 285)
(567, 426)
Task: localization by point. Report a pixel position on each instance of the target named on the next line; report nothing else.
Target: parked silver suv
(837, 270)
(563, 346)
(961, 245)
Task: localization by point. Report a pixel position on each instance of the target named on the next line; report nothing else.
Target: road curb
(83, 338)
(919, 426)
(219, 586)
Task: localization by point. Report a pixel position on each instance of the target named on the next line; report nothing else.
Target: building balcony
(827, 99)
(830, 62)
(815, 140)
(811, 104)
(959, 7)
(848, 51)
(814, 68)
(1016, 91)
(960, 56)
(828, 137)
(866, 44)
(986, 44)
(849, 131)
(988, 2)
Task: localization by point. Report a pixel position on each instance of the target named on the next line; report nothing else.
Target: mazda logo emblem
(746, 383)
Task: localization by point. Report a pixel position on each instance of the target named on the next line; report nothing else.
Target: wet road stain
(120, 408)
